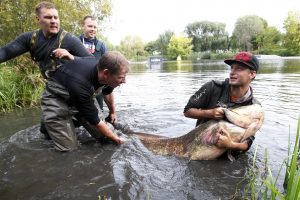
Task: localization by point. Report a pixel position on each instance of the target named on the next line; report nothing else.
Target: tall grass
(20, 86)
(262, 183)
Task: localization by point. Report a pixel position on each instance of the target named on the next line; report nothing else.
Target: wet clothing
(215, 94)
(69, 94)
(42, 48)
(97, 48)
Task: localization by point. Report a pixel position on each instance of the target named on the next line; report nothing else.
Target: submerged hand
(111, 118)
(119, 140)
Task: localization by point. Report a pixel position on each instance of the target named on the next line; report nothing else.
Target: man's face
(115, 80)
(240, 75)
(90, 28)
(49, 21)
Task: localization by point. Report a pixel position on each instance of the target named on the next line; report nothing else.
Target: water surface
(151, 101)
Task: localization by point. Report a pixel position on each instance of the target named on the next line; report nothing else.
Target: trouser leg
(57, 117)
(44, 131)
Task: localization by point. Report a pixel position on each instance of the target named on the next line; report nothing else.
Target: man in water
(47, 46)
(69, 95)
(93, 45)
(235, 91)
(50, 46)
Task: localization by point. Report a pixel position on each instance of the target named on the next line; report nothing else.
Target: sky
(150, 18)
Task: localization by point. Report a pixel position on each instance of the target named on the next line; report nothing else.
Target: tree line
(251, 32)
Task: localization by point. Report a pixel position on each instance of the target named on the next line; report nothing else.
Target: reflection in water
(151, 101)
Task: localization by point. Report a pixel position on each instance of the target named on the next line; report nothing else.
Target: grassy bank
(20, 86)
(263, 184)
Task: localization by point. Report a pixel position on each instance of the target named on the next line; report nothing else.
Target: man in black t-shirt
(70, 92)
(46, 45)
(50, 46)
(236, 91)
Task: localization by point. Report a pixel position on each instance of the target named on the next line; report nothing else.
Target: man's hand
(111, 118)
(217, 113)
(120, 140)
(63, 53)
(225, 140)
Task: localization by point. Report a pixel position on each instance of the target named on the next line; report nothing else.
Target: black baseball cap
(245, 58)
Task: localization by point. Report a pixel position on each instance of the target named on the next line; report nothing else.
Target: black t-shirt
(214, 94)
(42, 48)
(80, 78)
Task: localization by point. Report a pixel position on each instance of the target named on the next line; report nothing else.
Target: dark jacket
(100, 47)
(214, 94)
(42, 48)
(80, 78)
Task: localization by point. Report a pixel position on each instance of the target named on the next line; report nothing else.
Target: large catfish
(200, 143)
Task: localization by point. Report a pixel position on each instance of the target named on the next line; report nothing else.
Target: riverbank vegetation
(202, 40)
(21, 85)
(263, 184)
(251, 33)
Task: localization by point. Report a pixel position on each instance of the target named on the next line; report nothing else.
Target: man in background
(93, 45)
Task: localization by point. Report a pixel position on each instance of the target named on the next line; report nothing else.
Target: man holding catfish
(211, 99)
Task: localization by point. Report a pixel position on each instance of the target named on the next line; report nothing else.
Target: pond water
(151, 101)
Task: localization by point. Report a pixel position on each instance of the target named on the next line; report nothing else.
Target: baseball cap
(245, 58)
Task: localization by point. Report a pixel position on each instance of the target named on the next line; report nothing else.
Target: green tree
(207, 36)
(269, 40)
(18, 16)
(292, 36)
(179, 46)
(132, 47)
(163, 41)
(247, 28)
(151, 47)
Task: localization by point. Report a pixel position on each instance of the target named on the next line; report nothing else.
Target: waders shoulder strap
(32, 43)
(61, 37)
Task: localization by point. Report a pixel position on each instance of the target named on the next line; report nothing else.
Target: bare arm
(103, 129)
(216, 113)
(110, 102)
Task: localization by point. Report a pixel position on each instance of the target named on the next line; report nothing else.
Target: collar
(244, 98)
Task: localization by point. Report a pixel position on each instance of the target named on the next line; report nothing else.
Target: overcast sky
(149, 18)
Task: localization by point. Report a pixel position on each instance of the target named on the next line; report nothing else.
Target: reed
(19, 87)
(262, 183)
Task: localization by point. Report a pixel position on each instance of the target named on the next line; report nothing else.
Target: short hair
(88, 17)
(113, 61)
(43, 4)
